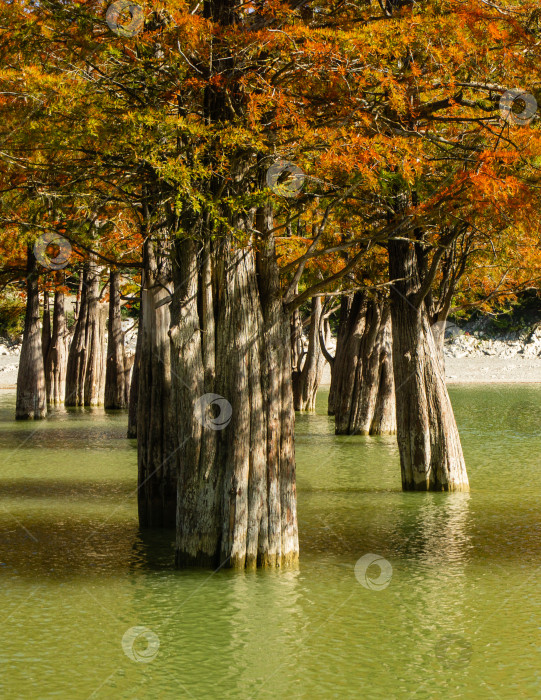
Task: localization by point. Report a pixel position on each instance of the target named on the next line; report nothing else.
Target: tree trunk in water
(115, 379)
(31, 402)
(232, 355)
(56, 361)
(157, 468)
(364, 402)
(306, 381)
(85, 379)
(46, 326)
(430, 451)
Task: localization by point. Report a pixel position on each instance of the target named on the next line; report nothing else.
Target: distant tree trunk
(31, 401)
(56, 360)
(46, 326)
(134, 383)
(129, 360)
(336, 363)
(85, 379)
(157, 470)
(297, 351)
(77, 355)
(384, 419)
(97, 356)
(115, 379)
(306, 381)
(364, 400)
(430, 451)
(231, 354)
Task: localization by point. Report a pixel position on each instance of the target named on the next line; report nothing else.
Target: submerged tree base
(436, 486)
(204, 561)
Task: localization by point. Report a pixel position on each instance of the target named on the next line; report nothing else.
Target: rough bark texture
(85, 379)
(31, 401)
(157, 476)
(230, 338)
(438, 333)
(362, 373)
(115, 374)
(309, 371)
(57, 356)
(430, 451)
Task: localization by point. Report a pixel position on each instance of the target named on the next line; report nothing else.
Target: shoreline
(476, 369)
(493, 370)
(463, 370)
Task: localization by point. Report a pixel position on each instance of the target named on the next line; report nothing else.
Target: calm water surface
(460, 617)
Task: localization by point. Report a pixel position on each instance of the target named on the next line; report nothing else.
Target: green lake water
(455, 613)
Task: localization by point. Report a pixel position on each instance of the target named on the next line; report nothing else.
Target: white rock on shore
(474, 358)
(465, 345)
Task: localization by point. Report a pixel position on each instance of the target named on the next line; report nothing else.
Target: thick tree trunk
(115, 374)
(57, 356)
(430, 451)
(31, 401)
(306, 381)
(157, 468)
(231, 353)
(46, 326)
(364, 400)
(85, 379)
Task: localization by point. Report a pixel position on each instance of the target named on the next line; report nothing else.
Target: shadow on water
(69, 548)
(154, 549)
(64, 488)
